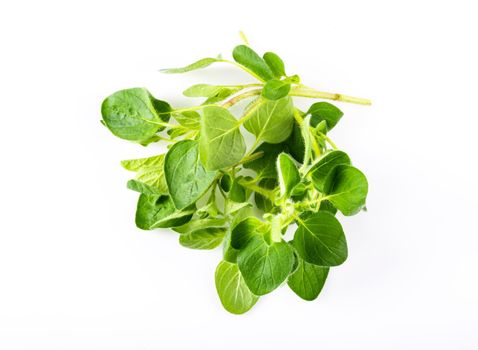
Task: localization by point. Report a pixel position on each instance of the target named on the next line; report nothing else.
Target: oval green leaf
(221, 143)
(206, 238)
(186, 177)
(275, 89)
(324, 111)
(288, 173)
(275, 63)
(307, 280)
(346, 188)
(272, 121)
(244, 55)
(134, 114)
(159, 212)
(324, 165)
(320, 240)
(264, 266)
(233, 292)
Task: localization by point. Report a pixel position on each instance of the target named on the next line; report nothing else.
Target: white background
(75, 273)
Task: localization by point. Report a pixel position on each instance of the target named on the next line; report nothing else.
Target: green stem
(241, 97)
(258, 189)
(334, 146)
(304, 91)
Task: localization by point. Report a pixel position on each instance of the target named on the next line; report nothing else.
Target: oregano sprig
(213, 189)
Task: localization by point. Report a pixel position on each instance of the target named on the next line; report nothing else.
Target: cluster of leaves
(212, 189)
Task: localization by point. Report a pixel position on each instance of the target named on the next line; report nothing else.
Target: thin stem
(304, 91)
(241, 97)
(334, 146)
(258, 189)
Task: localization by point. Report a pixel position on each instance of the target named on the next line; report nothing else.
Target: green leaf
(324, 165)
(237, 192)
(275, 63)
(265, 166)
(250, 59)
(264, 266)
(141, 187)
(324, 111)
(233, 292)
(134, 114)
(272, 121)
(320, 240)
(189, 119)
(186, 177)
(296, 143)
(150, 174)
(245, 230)
(199, 224)
(203, 63)
(159, 211)
(346, 188)
(288, 173)
(327, 206)
(226, 182)
(307, 280)
(263, 203)
(206, 238)
(215, 93)
(221, 143)
(275, 89)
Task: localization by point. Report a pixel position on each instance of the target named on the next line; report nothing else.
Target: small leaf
(324, 165)
(199, 224)
(272, 121)
(206, 238)
(265, 166)
(296, 143)
(141, 187)
(275, 89)
(186, 177)
(264, 266)
(307, 280)
(346, 188)
(264, 203)
(221, 143)
(250, 59)
(150, 177)
(189, 119)
(215, 93)
(233, 292)
(134, 114)
(159, 211)
(288, 173)
(245, 230)
(203, 63)
(320, 240)
(275, 63)
(324, 111)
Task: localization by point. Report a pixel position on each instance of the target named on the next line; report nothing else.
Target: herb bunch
(213, 189)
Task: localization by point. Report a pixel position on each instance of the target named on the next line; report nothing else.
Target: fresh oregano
(213, 189)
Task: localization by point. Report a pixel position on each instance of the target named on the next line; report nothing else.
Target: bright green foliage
(271, 121)
(185, 175)
(134, 114)
(232, 290)
(214, 189)
(221, 143)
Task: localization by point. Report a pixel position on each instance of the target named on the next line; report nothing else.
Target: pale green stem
(334, 146)
(241, 97)
(304, 91)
